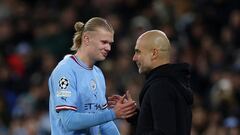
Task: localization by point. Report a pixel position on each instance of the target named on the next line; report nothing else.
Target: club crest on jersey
(93, 85)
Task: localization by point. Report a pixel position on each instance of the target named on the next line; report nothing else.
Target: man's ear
(85, 39)
(155, 53)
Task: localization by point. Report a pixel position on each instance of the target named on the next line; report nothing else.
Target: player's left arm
(109, 128)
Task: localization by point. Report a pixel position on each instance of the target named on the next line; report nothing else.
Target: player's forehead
(102, 31)
(103, 34)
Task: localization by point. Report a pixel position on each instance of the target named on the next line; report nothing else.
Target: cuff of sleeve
(113, 115)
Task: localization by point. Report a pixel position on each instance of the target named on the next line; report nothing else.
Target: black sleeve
(161, 96)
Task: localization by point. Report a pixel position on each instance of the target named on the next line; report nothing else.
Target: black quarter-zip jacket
(165, 102)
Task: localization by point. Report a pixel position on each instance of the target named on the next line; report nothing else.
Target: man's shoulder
(161, 84)
(66, 63)
(159, 81)
(64, 66)
(97, 69)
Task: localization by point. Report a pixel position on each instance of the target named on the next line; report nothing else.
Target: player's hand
(128, 96)
(124, 108)
(112, 100)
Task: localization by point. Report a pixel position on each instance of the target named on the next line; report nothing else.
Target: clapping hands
(123, 106)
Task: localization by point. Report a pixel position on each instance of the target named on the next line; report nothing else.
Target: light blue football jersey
(74, 86)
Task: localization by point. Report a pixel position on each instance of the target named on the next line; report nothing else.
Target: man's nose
(108, 47)
(134, 58)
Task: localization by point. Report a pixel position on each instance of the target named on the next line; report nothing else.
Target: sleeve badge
(63, 83)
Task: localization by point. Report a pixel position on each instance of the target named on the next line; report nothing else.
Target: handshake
(123, 106)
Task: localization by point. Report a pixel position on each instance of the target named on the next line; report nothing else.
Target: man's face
(142, 56)
(100, 44)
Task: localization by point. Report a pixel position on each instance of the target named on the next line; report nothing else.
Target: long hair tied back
(77, 39)
(91, 25)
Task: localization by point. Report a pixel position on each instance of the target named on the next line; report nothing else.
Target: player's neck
(82, 56)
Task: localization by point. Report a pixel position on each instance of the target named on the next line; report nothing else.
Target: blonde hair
(91, 25)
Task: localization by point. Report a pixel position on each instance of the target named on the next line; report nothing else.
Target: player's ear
(85, 38)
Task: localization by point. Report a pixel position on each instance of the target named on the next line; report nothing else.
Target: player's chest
(91, 92)
(90, 85)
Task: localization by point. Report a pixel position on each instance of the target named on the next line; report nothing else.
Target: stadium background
(36, 34)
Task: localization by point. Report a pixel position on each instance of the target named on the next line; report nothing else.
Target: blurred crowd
(36, 34)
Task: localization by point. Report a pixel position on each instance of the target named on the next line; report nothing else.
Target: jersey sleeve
(62, 85)
(72, 120)
(109, 128)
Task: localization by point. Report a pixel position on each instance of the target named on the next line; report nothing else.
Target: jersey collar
(80, 63)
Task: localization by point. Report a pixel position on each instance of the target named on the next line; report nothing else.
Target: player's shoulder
(97, 69)
(65, 64)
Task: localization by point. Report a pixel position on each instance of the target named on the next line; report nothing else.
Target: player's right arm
(72, 120)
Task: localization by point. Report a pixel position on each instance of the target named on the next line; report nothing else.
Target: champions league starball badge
(63, 83)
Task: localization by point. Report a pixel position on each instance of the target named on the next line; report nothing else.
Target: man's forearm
(72, 120)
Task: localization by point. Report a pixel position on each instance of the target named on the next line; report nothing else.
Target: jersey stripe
(65, 107)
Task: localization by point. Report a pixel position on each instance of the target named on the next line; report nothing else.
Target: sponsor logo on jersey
(94, 106)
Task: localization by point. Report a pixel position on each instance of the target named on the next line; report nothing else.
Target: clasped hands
(123, 106)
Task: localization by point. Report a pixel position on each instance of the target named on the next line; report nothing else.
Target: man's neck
(159, 63)
(83, 56)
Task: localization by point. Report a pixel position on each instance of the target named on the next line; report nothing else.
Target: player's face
(142, 56)
(100, 43)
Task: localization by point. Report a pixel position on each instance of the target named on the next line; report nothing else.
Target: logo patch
(93, 84)
(64, 93)
(63, 83)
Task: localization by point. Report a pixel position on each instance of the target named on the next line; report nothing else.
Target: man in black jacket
(166, 98)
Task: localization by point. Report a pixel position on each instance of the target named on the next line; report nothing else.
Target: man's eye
(104, 42)
(137, 51)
